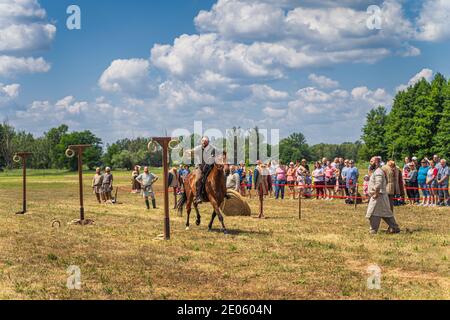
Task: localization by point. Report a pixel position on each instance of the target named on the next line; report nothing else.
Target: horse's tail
(181, 202)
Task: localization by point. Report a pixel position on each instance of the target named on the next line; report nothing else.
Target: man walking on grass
(443, 177)
(147, 180)
(379, 205)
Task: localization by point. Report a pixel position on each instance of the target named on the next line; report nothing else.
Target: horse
(216, 191)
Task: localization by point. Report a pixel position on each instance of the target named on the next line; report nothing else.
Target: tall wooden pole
(23, 156)
(70, 153)
(300, 193)
(80, 180)
(164, 143)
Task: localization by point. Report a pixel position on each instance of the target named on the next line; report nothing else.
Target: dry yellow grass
(323, 256)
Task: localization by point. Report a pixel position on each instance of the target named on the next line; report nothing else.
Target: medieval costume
(147, 180)
(97, 182)
(379, 205)
(135, 185)
(107, 185)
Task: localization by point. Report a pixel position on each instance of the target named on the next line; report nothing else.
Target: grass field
(323, 256)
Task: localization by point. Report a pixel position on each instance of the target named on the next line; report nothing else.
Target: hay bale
(236, 205)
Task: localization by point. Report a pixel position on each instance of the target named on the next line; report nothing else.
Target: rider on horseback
(204, 159)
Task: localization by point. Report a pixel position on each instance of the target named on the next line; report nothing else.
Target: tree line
(49, 149)
(417, 125)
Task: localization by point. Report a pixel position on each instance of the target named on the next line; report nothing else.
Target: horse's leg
(199, 218)
(219, 214)
(213, 216)
(188, 211)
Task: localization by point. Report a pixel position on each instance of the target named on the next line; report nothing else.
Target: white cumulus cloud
(425, 73)
(323, 81)
(11, 66)
(124, 74)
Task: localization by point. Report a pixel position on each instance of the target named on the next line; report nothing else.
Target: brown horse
(216, 191)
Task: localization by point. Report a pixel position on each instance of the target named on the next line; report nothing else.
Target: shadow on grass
(236, 232)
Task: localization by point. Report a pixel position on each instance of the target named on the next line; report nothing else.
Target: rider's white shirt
(204, 155)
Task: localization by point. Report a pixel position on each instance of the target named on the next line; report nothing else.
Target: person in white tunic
(379, 205)
(147, 180)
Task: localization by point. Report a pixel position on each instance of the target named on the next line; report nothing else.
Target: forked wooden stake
(70, 153)
(164, 143)
(22, 157)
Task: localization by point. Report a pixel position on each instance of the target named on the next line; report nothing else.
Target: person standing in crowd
(412, 184)
(422, 180)
(147, 180)
(242, 171)
(432, 183)
(174, 183)
(319, 180)
(335, 163)
(291, 178)
(443, 178)
(107, 185)
(250, 183)
(366, 186)
(300, 173)
(234, 180)
(304, 165)
(308, 185)
(260, 178)
(437, 161)
(330, 181)
(352, 177)
(341, 164)
(392, 177)
(344, 176)
(97, 182)
(401, 196)
(273, 177)
(135, 186)
(416, 162)
(379, 205)
(244, 182)
(280, 181)
(406, 164)
(340, 180)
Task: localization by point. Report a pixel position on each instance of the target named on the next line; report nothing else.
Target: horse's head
(220, 161)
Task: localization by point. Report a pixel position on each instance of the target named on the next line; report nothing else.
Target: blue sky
(146, 67)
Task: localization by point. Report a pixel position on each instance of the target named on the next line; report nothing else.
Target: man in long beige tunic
(97, 182)
(392, 185)
(261, 178)
(379, 205)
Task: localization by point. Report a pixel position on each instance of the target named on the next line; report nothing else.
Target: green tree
(53, 139)
(91, 157)
(400, 125)
(442, 138)
(294, 148)
(424, 119)
(7, 134)
(374, 134)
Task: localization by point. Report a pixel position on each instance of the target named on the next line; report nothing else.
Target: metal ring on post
(152, 146)
(173, 144)
(16, 158)
(70, 153)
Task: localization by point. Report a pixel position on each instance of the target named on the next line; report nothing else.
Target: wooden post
(23, 156)
(70, 153)
(164, 143)
(300, 193)
(356, 196)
